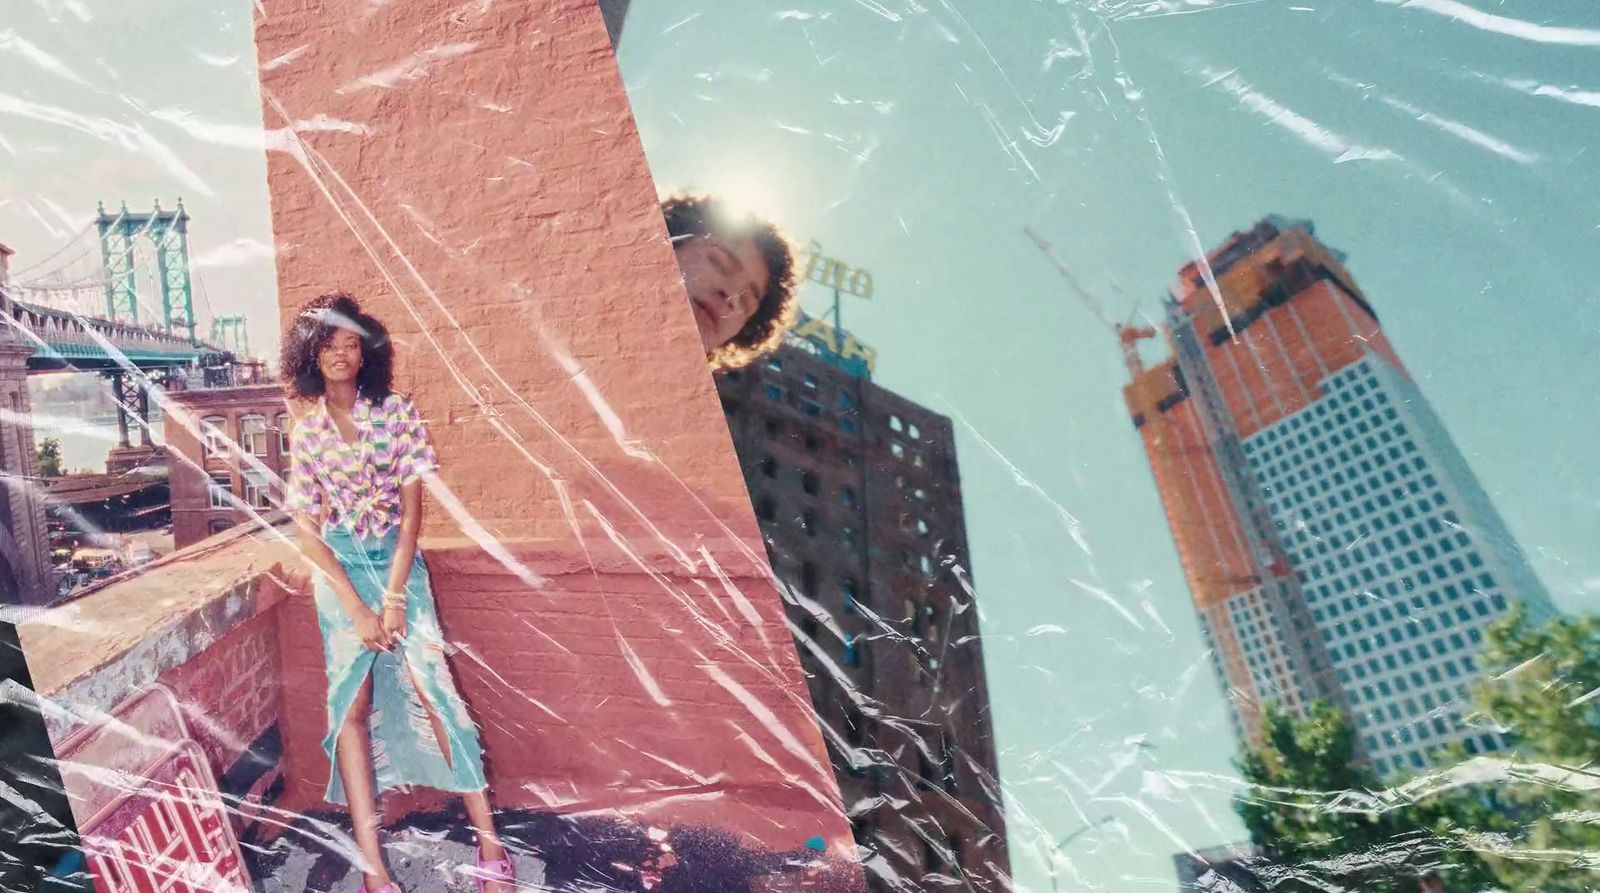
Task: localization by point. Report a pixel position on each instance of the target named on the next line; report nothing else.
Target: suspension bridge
(127, 305)
(117, 300)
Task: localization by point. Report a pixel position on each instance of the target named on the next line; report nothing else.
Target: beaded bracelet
(392, 599)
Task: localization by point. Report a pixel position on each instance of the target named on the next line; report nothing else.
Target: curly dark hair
(316, 322)
(689, 216)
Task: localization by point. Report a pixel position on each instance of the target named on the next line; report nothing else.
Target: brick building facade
(25, 572)
(227, 452)
(859, 497)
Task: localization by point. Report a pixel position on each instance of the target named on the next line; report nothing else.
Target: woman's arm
(416, 462)
(405, 548)
(405, 554)
(321, 559)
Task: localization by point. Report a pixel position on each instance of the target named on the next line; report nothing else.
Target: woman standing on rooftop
(358, 456)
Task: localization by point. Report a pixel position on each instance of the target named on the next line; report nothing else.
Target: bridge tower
(26, 576)
(230, 334)
(167, 233)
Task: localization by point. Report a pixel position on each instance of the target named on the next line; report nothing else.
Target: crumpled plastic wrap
(1174, 471)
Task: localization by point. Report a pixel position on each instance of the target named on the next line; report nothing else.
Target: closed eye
(724, 260)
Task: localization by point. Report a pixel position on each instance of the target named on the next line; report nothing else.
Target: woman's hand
(394, 623)
(373, 632)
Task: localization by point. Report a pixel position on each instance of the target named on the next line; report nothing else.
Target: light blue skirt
(410, 684)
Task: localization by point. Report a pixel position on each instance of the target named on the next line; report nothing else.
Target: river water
(78, 411)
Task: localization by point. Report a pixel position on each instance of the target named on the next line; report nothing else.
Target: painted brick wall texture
(663, 696)
(230, 692)
(472, 172)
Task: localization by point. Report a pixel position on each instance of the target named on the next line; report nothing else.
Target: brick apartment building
(858, 495)
(227, 452)
(25, 573)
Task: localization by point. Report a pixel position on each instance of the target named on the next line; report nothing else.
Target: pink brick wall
(568, 722)
(476, 178)
(491, 195)
(230, 692)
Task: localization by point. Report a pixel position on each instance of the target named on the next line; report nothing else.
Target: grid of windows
(820, 503)
(1260, 636)
(1397, 586)
(836, 469)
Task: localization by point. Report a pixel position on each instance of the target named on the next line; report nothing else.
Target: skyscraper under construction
(1335, 542)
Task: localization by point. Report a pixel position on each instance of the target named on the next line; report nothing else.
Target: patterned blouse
(358, 483)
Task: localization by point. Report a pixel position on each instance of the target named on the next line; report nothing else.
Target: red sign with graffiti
(149, 810)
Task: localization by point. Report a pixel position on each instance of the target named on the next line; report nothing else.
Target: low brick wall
(204, 623)
(232, 689)
(627, 684)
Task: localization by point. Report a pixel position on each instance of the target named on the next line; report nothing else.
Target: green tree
(1533, 811)
(50, 458)
(1323, 820)
(1526, 818)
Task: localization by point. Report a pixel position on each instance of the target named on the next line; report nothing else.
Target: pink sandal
(493, 871)
(390, 887)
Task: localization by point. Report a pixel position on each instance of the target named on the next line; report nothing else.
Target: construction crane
(1128, 335)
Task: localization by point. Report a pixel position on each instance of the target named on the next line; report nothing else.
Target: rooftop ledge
(160, 616)
(675, 651)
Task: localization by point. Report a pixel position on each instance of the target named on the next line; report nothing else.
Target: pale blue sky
(1448, 155)
(102, 100)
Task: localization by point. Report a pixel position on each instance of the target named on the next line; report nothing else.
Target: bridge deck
(69, 341)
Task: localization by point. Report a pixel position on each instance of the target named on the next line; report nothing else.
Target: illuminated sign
(833, 273)
(834, 346)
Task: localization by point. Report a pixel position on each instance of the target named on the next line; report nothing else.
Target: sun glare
(749, 193)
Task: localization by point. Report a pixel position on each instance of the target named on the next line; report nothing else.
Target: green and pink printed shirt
(358, 484)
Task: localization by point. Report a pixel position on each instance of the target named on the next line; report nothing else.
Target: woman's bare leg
(479, 812)
(354, 751)
(482, 817)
